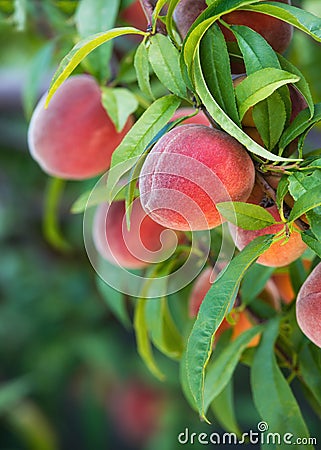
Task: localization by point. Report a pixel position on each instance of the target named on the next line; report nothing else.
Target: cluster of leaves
(197, 72)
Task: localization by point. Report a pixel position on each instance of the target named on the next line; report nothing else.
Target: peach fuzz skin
(74, 138)
(280, 253)
(308, 306)
(242, 319)
(277, 33)
(188, 171)
(129, 248)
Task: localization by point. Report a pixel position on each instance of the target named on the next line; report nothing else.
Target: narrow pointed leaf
(217, 72)
(81, 50)
(246, 215)
(213, 309)
(272, 395)
(224, 120)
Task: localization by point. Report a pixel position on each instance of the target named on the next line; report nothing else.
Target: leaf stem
(51, 229)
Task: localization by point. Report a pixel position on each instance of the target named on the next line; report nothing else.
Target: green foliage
(170, 73)
(217, 302)
(272, 395)
(246, 215)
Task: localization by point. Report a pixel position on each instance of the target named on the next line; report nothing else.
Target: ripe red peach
(308, 306)
(134, 15)
(280, 253)
(135, 248)
(74, 138)
(136, 409)
(198, 119)
(188, 171)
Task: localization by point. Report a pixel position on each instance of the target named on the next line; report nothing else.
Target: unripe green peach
(308, 306)
(74, 138)
(188, 171)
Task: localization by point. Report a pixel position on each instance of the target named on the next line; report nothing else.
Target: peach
(134, 15)
(185, 14)
(198, 119)
(276, 32)
(188, 171)
(283, 283)
(74, 138)
(308, 306)
(135, 248)
(280, 253)
(136, 409)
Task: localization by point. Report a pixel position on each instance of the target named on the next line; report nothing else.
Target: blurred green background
(70, 376)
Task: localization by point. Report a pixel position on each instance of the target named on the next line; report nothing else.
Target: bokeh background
(70, 376)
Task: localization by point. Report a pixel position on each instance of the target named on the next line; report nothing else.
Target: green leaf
(259, 85)
(119, 103)
(264, 114)
(81, 50)
(163, 330)
(299, 18)
(254, 282)
(282, 190)
(223, 409)
(164, 59)
(221, 370)
(272, 395)
(217, 72)
(143, 343)
(157, 10)
(246, 215)
(141, 134)
(301, 85)
(258, 54)
(89, 22)
(312, 241)
(310, 369)
(12, 392)
(169, 18)
(224, 120)
(204, 21)
(115, 300)
(301, 124)
(141, 63)
(213, 309)
(305, 203)
(185, 383)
